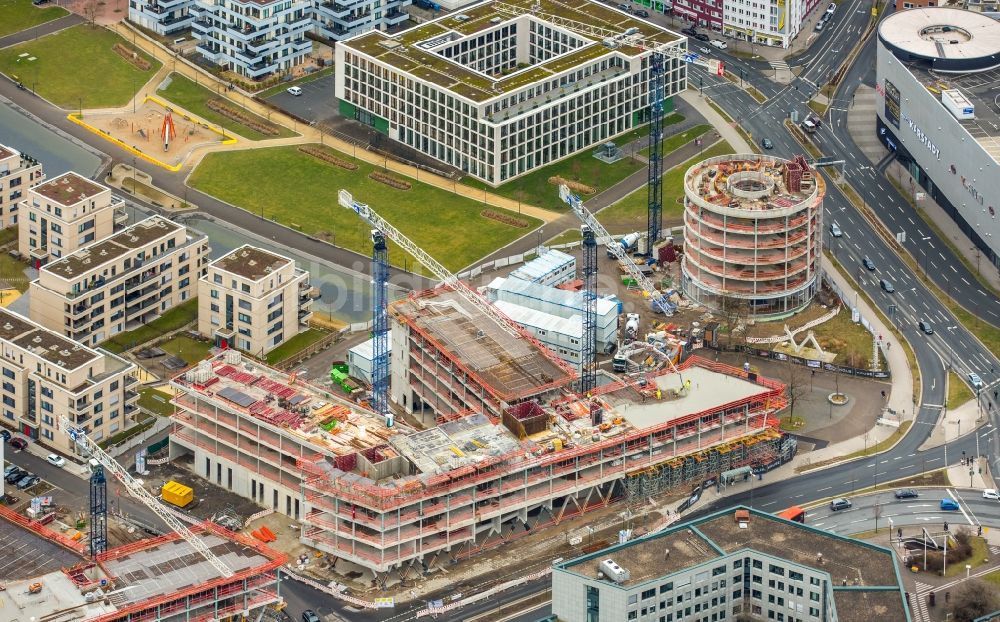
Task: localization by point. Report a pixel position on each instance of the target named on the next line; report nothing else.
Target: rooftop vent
(615, 572)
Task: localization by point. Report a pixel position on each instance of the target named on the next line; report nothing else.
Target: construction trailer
(399, 500)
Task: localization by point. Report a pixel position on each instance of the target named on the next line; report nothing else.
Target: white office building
(497, 95)
(732, 565)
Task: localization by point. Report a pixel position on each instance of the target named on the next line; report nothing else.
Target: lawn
(316, 75)
(629, 214)
(958, 392)
(16, 15)
(155, 401)
(175, 318)
(678, 140)
(993, 577)
(12, 273)
(850, 340)
(295, 345)
(187, 349)
(194, 97)
(304, 197)
(78, 66)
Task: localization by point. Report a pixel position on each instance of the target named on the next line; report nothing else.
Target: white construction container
(614, 572)
(958, 105)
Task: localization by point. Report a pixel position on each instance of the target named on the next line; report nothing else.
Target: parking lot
(25, 555)
(316, 104)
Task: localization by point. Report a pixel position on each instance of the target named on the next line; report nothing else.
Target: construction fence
(798, 360)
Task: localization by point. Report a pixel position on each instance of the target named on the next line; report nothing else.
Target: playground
(154, 132)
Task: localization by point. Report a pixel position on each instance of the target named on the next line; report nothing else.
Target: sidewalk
(956, 422)
(900, 396)
(725, 130)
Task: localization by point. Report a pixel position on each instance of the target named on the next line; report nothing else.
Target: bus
(794, 513)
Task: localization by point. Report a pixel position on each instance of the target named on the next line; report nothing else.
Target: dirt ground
(143, 131)
(210, 498)
(103, 12)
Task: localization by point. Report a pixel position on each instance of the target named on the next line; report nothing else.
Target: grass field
(16, 15)
(678, 140)
(173, 319)
(194, 97)
(77, 66)
(304, 197)
(187, 349)
(155, 401)
(295, 345)
(534, 188)
(958, 392)
(629, 214)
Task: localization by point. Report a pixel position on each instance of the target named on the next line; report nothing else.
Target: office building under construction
(510, 448)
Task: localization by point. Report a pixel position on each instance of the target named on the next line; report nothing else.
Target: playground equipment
(168, 131)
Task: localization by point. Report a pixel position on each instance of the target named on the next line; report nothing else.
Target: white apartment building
(498, 96)
(45, 376)
(66, 213)
(733, 563)
(765, 22)
(121, 282)
(164, 17)
(18, 173)
(339, 20)
(252, 38)
(253, 300)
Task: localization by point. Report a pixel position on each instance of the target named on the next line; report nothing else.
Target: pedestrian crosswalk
(779, 65)
(918, 602)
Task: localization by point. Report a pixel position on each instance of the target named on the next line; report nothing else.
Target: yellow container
(177, 494)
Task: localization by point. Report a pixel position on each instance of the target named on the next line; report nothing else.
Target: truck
(628, 243)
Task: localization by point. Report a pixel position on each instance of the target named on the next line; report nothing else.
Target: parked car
(641, 13)
(18, 443)
(949, 505)
(719, 43)
(869, 264)
(704, 51)
(840, 504)
(310, 616)
(56, 460)
(689, 31)
(766, 143)
(10, 469)
(701, 36)
(27, 481)
(835, 230)
(830, 10)
(991, 493)
(294, 90)
(906, 493)
(819, 25)
(15, 475)
(926, 327)
(886, 286)
(623, 6)
(975, 381)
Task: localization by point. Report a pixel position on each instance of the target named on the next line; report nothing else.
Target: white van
(719, 44)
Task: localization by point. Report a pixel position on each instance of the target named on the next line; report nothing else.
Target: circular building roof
(948, 39)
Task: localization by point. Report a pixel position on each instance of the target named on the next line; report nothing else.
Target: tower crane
(380, 324)
(659, 301)
(660, 52)
(84, 442)
(440, 272)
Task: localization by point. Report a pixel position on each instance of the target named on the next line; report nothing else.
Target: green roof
(408, 56)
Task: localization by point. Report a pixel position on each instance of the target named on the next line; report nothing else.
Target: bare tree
(973, 599)
(90, 11)
(736, 313)
(796, 379)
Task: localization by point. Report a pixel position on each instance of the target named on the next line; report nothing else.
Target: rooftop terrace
(69, 189)
(50, 346)
(112, 248)
(749, 184)
(405, 51)
(251, 262)
(6, 152)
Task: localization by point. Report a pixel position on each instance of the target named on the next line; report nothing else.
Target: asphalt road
(317, 103)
